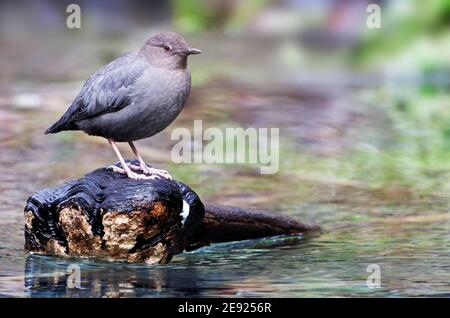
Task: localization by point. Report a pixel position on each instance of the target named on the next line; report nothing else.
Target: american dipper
(135, 96)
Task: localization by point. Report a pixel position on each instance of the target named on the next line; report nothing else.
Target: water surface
(384, 221)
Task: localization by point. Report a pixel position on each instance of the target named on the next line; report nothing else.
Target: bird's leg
(125, 169)
(146, 168)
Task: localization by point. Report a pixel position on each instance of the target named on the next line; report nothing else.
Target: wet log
(228, 223)
(109, 216)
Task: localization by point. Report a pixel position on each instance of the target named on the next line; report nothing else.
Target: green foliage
(415, 152)
(203, 15)
(193, 15)
(427, 18)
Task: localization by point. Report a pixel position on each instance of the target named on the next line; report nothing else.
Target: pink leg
(144, 167)
(125, 169)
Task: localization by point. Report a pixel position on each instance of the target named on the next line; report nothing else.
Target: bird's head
(168, 50)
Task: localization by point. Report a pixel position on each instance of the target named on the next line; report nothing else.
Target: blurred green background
(400, 71)
(364, 118)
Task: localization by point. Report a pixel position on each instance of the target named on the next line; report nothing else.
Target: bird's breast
(158, 97)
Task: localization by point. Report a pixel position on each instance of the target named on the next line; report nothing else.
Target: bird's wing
(107, 90)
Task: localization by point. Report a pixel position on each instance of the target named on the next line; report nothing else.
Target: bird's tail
(53, 129)
(60, 125)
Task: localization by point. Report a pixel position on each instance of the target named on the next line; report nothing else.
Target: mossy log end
(109, 216)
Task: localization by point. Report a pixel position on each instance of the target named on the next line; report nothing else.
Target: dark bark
(227, 223)
(106, 215)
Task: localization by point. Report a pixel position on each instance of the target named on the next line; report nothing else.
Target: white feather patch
(184, 214)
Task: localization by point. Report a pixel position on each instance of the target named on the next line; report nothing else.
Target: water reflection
(44, 277)
(188, 276)
(334, 264)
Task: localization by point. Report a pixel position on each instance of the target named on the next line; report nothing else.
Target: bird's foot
(151, 171)
(158, 172)
(133, 175)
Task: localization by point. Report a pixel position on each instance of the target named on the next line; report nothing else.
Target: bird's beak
(192, 50)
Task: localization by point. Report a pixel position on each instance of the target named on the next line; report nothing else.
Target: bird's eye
(167, 47)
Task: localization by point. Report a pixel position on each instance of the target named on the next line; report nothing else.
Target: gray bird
(135, 96)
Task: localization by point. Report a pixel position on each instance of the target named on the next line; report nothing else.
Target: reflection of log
(46, 277)
(107, 215)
